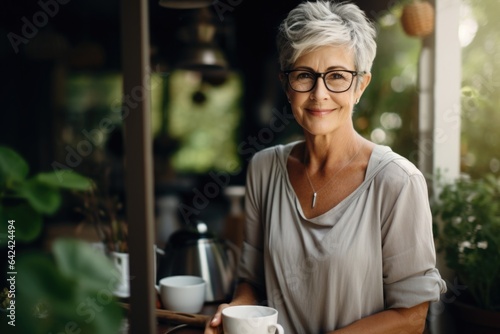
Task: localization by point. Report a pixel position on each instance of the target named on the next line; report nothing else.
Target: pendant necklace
(315, 192)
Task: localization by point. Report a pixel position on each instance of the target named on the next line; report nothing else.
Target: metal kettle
(195, 251)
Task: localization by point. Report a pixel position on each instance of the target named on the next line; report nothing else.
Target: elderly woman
(338, 229)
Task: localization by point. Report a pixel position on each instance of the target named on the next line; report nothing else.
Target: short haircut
(312, 25)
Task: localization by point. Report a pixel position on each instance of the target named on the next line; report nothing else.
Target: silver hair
(312, 25)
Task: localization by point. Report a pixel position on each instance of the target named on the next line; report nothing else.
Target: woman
(338, 229)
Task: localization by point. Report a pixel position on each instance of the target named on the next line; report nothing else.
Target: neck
(327, 154)
(347, 155)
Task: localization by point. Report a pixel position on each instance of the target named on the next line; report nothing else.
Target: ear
(284, 85)
(367, 77)
(282, 77)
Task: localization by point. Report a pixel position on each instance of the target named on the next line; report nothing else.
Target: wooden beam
(138, 163)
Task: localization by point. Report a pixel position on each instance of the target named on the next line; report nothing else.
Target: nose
(319, 92)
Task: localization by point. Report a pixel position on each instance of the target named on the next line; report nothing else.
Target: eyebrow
(330, 68)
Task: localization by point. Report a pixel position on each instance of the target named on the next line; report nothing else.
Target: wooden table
(165, 325)
(185, 330)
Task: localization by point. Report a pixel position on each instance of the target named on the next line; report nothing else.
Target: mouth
(319, 111)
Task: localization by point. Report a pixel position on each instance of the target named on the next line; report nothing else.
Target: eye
(331, 76)
(303, 75)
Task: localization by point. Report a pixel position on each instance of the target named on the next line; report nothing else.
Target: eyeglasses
(336, 81)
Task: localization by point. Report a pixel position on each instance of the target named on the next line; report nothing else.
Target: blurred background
(62, 87)
(215, 98)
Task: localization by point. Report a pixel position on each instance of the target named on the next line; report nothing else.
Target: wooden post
(138, 163)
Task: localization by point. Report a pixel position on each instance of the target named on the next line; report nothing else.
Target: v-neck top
(374, 250)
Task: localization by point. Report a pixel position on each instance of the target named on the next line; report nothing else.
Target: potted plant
(49, 292)
(104, 212)
(467, 226)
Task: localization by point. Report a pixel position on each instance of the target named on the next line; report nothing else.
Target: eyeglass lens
(336, 81)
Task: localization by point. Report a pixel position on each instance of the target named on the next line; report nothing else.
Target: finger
(212, 326)
(211, 330)
(216, 320)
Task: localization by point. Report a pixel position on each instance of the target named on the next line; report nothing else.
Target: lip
(319, 111)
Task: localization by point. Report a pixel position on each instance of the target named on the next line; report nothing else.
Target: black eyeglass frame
(321, 75)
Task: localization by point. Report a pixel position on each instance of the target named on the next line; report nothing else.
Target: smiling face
(320, 111)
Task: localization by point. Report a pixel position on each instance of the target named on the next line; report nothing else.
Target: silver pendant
(314, 200)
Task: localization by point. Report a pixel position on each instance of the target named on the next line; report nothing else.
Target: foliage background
(480, 89)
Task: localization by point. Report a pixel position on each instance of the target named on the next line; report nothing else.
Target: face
(320, 111)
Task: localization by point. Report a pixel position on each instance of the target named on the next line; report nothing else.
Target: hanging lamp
(200, 51)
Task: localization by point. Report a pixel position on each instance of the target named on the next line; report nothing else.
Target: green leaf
(79, 259)
(71, 306)
(91, 269)
(43, 198)
(27, 222)
(41, 283)
(12, 166)
(70, 180)
(40, 278)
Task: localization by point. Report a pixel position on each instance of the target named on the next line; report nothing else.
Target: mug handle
(278, 328)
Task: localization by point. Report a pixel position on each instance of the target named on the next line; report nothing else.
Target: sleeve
(251, 266)
(409, 256)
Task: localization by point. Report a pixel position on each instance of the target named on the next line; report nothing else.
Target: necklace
(315, 192)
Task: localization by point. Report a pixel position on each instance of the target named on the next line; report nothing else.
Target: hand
(214, 326)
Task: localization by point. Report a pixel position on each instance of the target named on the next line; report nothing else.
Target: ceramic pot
(121, 262)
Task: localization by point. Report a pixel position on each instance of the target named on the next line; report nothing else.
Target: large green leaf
(78, 259)
(39, 284)
(70, 305)
(70, 180)
(95, 274)
(27, 222)
(41, 280)
(12, 166)
(42, 197)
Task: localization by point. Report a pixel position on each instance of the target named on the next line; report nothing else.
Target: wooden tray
(194, 320)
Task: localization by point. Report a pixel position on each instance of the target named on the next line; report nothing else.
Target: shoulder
(272, 155)
(268, 166)
(392, 162)
(397, 172)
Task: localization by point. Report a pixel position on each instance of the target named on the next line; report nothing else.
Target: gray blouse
(373, 251)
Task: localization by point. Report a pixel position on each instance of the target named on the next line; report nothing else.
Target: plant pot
(121, 263)
(473, 320)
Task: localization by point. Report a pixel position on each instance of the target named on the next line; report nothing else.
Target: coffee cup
(182, 293)
(250, 319)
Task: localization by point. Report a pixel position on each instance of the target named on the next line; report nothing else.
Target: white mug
(250, 319)
(182, 293)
